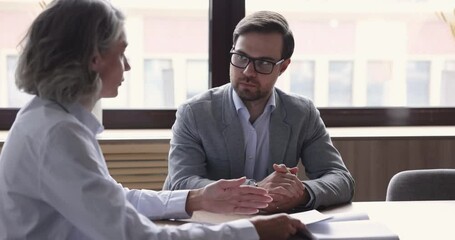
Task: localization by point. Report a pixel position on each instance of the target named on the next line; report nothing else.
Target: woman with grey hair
(54, 182)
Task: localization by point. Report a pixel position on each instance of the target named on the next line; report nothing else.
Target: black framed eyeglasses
(260, 65)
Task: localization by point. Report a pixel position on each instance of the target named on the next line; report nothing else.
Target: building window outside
(173, 30)
(16, 98)
(321, 39)
(302, 75)
(379, 79)
(417, 83)
(396, 55)
(158, 84)
(448, 84)
(340, 83)
(396, 58)
(197, 77)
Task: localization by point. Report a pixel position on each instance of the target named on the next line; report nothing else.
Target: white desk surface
(420, 220)
(343, 132)
(410, 220)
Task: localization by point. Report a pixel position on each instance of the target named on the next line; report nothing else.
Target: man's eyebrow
(259, 58)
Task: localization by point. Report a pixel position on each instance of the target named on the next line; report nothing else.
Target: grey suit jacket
(208, 145)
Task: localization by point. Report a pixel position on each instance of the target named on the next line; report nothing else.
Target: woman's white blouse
(54, 184)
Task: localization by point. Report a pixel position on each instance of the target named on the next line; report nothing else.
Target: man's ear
(95, 62)
(285, 65)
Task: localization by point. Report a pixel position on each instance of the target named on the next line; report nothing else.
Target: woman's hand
(228, 196)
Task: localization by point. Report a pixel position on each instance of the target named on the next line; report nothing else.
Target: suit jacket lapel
(233, 135)
(280, 133)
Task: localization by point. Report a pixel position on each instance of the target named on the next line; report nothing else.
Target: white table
(416, 220)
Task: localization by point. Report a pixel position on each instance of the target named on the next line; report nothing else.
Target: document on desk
(344, 226)
(309, 217)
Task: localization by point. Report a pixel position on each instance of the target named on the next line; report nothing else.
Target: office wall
(372, 161)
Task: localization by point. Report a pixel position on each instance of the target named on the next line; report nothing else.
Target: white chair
(422, 184)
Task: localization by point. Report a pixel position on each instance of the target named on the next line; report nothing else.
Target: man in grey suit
(250, 128)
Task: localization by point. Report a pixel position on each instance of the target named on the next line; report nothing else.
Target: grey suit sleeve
(187, 158)
(330, 181)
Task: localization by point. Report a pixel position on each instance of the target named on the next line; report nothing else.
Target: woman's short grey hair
(59, 46)
(267, 22)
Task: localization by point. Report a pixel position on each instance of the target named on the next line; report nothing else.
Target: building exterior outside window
(345, 55)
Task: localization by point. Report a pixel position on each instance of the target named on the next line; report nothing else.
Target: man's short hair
(267, 22)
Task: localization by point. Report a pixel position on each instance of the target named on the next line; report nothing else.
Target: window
(417, 83)
(337, 48)
(302, 77)
(196, 77)
(379, 80)
(166, 41)
(367, 60)
(340, 83)
(448, 84)
(158, 83)
(15, 97)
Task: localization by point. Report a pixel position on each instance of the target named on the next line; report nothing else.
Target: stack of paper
(343, 226)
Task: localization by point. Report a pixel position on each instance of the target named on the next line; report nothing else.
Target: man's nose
(249, 69)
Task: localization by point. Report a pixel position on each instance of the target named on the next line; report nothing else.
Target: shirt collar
(85, 117)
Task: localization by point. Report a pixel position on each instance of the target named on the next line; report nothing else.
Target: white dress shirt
(256, 136)
(54, 184)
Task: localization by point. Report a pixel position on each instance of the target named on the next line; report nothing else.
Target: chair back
(422, 184)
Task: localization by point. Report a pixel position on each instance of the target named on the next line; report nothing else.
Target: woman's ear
(95, 62)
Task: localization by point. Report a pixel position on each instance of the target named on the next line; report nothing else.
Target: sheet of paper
(350, 230)
(348, 216)
(310, 217)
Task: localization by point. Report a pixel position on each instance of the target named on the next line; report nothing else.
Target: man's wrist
(194, 201)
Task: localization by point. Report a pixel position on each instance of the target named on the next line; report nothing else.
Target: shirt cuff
(245, 228)
(176, 206)
(307, 206)
(310, 203)
(163, 204)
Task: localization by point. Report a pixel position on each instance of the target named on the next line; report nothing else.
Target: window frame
(223, 16)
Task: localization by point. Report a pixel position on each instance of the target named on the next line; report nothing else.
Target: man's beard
(248, 94)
